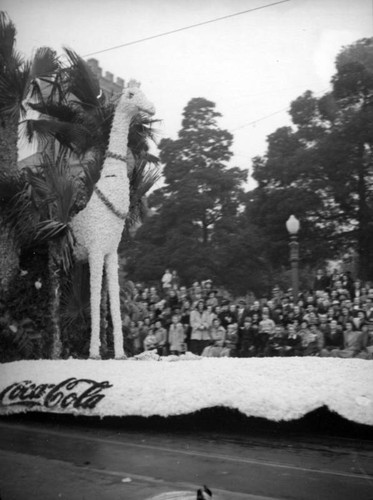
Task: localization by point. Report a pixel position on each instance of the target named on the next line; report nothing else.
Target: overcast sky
(251, 65)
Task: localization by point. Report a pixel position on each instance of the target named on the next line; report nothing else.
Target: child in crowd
(176, 336)
(160, 334)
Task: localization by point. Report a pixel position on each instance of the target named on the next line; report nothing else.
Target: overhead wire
(253, 122)
(191, 26)
(196, 25)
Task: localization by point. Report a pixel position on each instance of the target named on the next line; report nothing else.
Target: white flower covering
(98, 230)
(272, 388)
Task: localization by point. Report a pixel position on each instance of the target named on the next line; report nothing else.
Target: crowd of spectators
(334, 318)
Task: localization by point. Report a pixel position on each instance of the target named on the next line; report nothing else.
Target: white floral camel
(98, 227)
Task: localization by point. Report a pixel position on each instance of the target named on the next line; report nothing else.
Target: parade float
(148, 385)
(277, 389)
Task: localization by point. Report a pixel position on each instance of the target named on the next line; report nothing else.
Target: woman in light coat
(199, 322)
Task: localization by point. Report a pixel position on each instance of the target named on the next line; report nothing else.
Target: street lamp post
(292, 225)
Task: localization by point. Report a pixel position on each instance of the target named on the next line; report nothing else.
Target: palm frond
(49, 229)
(8, 57)
(22, 216)
(44, 75)
(141, 131)
(11, 183)
(143, 178)
(59, 186)
(40, 190)
(60, 111)
(81, 82)
(45, 63)
(73, 136)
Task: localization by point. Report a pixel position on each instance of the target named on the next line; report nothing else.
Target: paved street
(81, 459)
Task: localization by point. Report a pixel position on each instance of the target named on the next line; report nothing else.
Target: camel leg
(111, 264)
(96, 264)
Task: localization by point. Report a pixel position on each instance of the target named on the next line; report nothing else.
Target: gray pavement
(41, 461)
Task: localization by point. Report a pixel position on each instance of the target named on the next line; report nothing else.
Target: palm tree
(74, 123)
(18, 79)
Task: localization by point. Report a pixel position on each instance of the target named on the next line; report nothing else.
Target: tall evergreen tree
(196, 221)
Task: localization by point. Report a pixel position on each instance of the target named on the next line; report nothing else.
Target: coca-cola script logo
(70, 393)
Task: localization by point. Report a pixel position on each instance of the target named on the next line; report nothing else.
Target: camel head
(135, 100)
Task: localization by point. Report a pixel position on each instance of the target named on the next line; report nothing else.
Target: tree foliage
(321, 168)
(197, 225)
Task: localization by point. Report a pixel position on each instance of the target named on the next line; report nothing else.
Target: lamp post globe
(293, 225)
